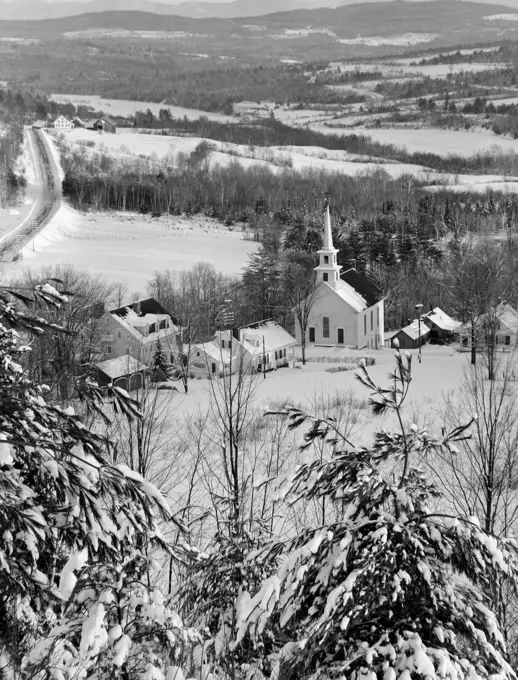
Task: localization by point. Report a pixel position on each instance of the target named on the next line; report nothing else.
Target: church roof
(350, 295)
(361, 284)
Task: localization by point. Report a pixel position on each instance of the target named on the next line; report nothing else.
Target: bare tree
(478, 283)
(302, 292)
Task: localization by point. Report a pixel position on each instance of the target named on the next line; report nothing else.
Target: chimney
(235, 333)
(136, 307)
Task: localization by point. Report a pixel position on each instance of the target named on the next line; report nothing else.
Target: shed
(40, 125)
(409, 337)
(442, 327)
(125, 372)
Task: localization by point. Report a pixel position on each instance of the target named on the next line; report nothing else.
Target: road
(46, 203)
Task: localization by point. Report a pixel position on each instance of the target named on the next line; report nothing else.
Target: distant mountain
(42, 9)
(443, 17)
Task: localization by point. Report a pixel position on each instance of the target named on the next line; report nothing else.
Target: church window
(325, 327)
(325, 276)
(365, 324)
(378, 316)
(372, 319)
(326, 259)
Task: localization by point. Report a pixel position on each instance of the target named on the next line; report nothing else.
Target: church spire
(328, 236)
(328, 271)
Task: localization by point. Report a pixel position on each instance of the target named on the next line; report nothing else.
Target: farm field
(128, 144)
(439, 141)
(123, 107)
(129, 248)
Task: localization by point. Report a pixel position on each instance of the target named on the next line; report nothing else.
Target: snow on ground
(439, 374)
(129, 248)
(396, 40)
(277, 158)
(124, 107)
(404, 68)
(459, 142)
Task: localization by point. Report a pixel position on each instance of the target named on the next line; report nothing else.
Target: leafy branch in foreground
(78, 540)
(394, 590)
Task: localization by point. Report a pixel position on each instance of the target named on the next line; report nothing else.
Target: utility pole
(418, 309)
(264, 361)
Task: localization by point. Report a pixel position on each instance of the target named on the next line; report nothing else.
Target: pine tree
(160, 370)
(77, 533)
(393, 589)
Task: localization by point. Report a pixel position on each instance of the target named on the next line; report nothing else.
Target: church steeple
(328, 270)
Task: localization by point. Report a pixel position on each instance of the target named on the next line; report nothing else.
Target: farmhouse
(348, 309)
(125, 372)
(412, 336)
(62, 123)
(442, 327)
(135, 330)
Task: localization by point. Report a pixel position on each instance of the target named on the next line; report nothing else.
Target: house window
(507, 339)
(365, 324)
(275, 355)
(372, 319)
(223, 344)
(326, 259)
(119, 334)
(109, 349)
(197, 354)
(325, 327)
(325, 277)
(127, 351)
(152, 328)
(377, 317)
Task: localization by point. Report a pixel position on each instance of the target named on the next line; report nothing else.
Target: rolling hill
(441, 17)
(199, 9)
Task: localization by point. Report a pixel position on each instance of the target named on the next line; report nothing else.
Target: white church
(348, 310)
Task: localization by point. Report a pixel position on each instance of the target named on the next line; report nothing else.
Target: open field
(439, 375)
(123, 107)
(439, 141)
(130, 248)
(165, 150)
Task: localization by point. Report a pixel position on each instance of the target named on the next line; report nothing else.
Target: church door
(312, 335)
(340, 336)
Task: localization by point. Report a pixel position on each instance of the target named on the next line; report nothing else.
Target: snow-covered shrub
(394, 590)
(77, 535)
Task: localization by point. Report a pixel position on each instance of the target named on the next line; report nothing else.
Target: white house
(349, 309)
(62, 123)
(135, 330)
(263, 346)
(506, 334)
(443, 327)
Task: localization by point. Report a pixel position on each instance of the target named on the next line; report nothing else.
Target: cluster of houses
(64, 123)
(347, 311)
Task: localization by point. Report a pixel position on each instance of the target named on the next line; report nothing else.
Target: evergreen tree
(160, 370)
(393, 589)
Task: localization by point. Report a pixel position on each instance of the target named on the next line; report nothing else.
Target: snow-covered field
(444, 142)
(404, 68)
(130, 248)
(439, 374)
(123, 107)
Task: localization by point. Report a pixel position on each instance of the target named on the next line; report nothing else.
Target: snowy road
(45, 188)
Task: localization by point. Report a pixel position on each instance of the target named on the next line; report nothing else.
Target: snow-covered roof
(507, 316)
(443, 320)
(212, 350)
(350, 295)
(125, 365)
(412, 330)
(275, 337)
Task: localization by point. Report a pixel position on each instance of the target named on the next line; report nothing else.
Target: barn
(412, 336)
(125, 372)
